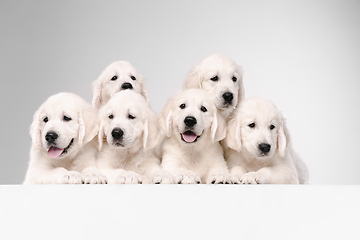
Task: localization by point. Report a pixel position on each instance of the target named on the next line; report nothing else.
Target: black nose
(117, 133)
(51, 137)
(264, 147)
(190, 121)
(228, 97)
(126, 86)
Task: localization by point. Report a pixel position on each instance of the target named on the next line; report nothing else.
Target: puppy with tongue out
(193, 129)
(63, 147)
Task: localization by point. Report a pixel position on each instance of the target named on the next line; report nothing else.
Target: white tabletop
(179, 212)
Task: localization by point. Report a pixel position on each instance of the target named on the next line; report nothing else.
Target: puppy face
(117, 76)
(62, 125)
(191, 116)
(128, 121)
(222, 78)
(258, 128)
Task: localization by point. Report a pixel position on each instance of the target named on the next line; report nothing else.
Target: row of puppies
(194, 122)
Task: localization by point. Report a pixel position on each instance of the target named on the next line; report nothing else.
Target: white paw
(187, 177)
(236, 179)
(70, 177)
(129, 177)
(222, 177)
(94, 178)
(163, 177)
(253, 178)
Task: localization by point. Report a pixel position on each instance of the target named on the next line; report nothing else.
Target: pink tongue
(189, 137)
(54, 152)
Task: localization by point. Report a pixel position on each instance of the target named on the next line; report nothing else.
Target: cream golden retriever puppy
(129, 133)
(120, 75)
(261, 150)
(63, 146)
(222, 78)
(191, 149)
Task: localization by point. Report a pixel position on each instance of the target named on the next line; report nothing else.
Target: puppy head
(128, 121)
(120, 75)
(220, 76)
(259, 128)
(191, 116)
(62, 124)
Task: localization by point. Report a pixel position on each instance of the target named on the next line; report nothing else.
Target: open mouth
(189, 137)
(55, 152)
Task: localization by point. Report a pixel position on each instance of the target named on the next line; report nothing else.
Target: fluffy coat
(191, 149)
(222, 78)
(260, 149)
(119, 75)
(63, 148)
(129, 133)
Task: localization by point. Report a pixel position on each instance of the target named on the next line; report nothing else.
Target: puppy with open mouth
(63, 149)
(129, 133)
(191, 149)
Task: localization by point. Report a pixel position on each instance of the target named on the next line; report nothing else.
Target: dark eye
(133, 78)
(111, 116)
(46, 119)
(203, 109)
(113, 78)
(214, 78)
(66, 119)
(131, 116)
(234, 79)
(272, 126)
(251, 125)
(182, 106)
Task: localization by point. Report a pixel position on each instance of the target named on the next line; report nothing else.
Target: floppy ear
(165, 117)
(241, 92)
(166, 122)
(97, 91)
(101, 135)
(169, 122)
(193, 79)
(233, 136)
(151, 136)
(35, 131)
(218, 128)
(88, 125)
(283, 139)
(143, 91)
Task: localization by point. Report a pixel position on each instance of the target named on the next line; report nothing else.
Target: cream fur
(199, 161)
(104, 88)
(224, 69)
(133, 158)
(246, 162)
(78, 164)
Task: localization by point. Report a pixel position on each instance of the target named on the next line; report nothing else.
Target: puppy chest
(195, 161)
(254, 165)
(129, 163)
(67, 164)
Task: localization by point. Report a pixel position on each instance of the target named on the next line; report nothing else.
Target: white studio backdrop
(303, 55)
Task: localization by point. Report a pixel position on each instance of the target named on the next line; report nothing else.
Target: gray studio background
(303, 55)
